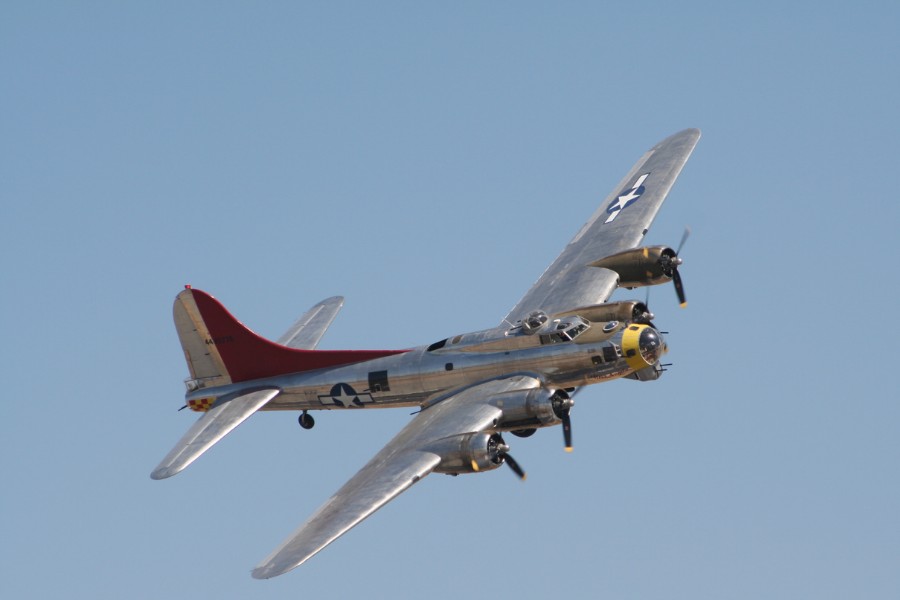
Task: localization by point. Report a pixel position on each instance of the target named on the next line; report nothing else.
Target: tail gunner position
(470, 388)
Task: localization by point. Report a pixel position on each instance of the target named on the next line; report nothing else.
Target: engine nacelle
(529, 409)
(469, 453)
(626, 311)
(650, 265)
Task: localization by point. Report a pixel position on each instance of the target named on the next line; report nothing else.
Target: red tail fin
(246, 355)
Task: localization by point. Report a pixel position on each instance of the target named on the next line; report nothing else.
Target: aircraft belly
(304, 401)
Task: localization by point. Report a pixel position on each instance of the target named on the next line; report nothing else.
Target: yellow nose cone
(631, 346)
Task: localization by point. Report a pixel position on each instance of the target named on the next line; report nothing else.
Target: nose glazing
(651, 345)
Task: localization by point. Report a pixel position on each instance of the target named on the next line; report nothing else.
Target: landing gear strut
(306, 421)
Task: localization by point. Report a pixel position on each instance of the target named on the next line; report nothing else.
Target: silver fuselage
(422, 373)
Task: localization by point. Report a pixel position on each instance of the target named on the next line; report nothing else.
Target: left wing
(215, 424)
(406, 459)
(620, 223)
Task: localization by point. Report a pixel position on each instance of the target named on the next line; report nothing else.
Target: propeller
(646, 317)
(562, 405)
(670, 262)
(500, 450)
(511, 462)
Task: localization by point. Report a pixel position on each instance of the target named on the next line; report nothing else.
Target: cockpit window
(553, 338)
(576, 330)
(565, 331)
(437, 345)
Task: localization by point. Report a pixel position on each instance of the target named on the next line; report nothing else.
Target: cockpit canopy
(564, 330)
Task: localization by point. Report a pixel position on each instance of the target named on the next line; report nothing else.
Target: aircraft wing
(306, 332)
(620, 223)
(215, 423)
(406, 459)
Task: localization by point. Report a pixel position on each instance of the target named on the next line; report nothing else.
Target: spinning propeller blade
(670, 263)
(562, 406)
(501, 449)
(509, 460)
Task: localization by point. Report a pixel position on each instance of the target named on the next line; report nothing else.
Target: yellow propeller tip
(568, 448)
(683, 305)
(524, 477)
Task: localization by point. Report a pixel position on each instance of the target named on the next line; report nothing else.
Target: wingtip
(162, 473)
(269, 570)
(167, 469)
(692, 135)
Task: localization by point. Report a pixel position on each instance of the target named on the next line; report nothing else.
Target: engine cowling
(649, 265)
(525, 411)
(529, 409)
(625, 311)
(469, 453)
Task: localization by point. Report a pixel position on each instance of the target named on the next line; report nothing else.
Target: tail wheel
(306, 421)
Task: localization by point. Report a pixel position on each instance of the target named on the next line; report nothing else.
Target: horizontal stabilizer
(215, 424)
(306, 332)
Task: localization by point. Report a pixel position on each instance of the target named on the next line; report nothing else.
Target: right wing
(402, 462)
(306, 332)
(619, 224)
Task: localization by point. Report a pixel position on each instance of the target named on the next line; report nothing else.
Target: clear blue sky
(428, 161)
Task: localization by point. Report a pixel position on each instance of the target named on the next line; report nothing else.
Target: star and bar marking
(343, 394)
(626, 198)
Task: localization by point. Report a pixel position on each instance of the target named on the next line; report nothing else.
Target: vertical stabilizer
(220, 349)
(203, 358)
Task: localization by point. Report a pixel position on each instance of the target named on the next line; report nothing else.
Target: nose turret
(642, 346)
(651, 345)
